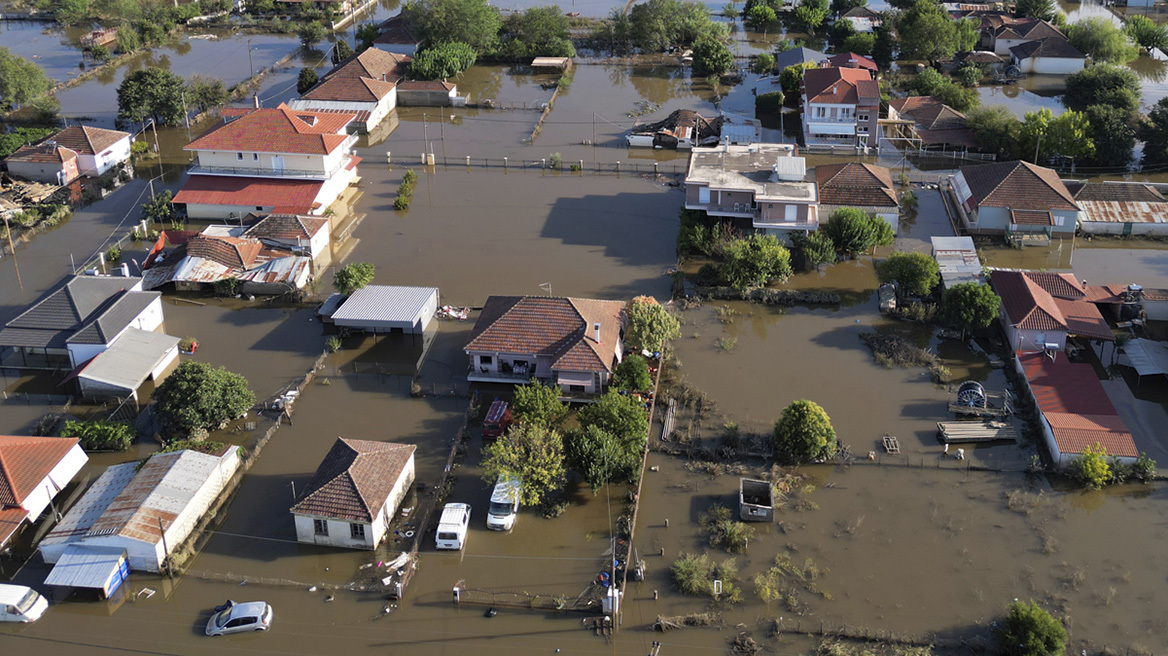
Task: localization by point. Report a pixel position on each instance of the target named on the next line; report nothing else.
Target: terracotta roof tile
(554, 327)
(929, 112)
(231, 252)
(833, 85)
(372, 63)
(354, 480)
(1027, 305)
(1017, 185)
(26, 461)
(42, 153)
(852, 60)
(855, 184)
(286, 195)
(349, 89)
(286, 226)
(1116, 192)
(279, 130)
(1031, 217)
(88, 140)
(1062, 285)
(394, 31)
(426, 85)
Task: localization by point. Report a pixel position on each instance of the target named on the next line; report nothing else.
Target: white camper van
(21, 604)
(452, 526)
(504, 503)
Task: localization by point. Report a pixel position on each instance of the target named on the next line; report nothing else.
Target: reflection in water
(1150, 69)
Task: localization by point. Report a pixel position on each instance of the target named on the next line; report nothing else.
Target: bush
(352, 277)
(333, 344)
(711, 57)
(650, 325)
(1029, 630)
(202, 446)
(914, 272)
(803, 433)
(602, 458)
(536, 403)
(816, 247)
(442, 61)
(632, 375)
(724, 532)
(1091, 469)
(855, 231)
(198, 397)
(754, 261)
(100, 435)
(769, 103)
(306, 80)
(763, 64)
(694, 574)
(311, 33)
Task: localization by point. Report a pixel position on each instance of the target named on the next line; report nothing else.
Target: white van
(504, 503)
(452, 526)
(20, 604)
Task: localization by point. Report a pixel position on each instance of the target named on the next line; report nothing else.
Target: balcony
(743, 210)
(262, 172)
(831, 119)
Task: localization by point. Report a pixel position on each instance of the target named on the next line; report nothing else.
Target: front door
(277, 163)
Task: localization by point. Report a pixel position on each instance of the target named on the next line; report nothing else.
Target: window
(863, 129)
(576, 389)
(486, 360)
(320, 526)
(357, 531)
(239, 156)
(259, 208)
(703, 194)
(1058, 220)
(255, 157)
(791, 213)
(862, 117)
(820, 112)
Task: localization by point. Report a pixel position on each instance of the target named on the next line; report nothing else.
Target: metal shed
(383, 309)
(121, 369)
(100, 568)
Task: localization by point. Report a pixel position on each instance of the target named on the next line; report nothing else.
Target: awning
(573, 378)
(1147, 357)
(81, 566)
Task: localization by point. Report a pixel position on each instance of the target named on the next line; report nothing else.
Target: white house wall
(95, 165)
(40, 498)
(339, 529)
(1051, 65)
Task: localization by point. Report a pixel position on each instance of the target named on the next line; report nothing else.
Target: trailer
(756, 501)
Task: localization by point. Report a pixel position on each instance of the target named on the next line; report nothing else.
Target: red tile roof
(10, 521)
(373, 63)
(42, 153)
(354, 480)
(88, 140)
(1031, 217)
(1075, 433)
(26, 461)
(395, 32)
(1017, 185)
(1062, 285)
(929, 112)
(1049, 301)
(349, 89)
(855, 184)
(852, 60)
(426, 85)
(555, 327)
(286, 226)
(293, 196)
(840, 86)
(231, 252)
(279, 130)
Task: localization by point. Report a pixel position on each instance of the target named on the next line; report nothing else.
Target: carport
(385, 309)
(1147, 357)
(98, 568)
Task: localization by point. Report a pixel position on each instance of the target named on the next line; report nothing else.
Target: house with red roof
(841, 107)
(278, 159)
(1041, 310)
(33, 470)
(1010, 198)
(365, 83)
(929, 124)
(197, 262)
(355, 493)
(862, 186)
(69, 154)
(396, 36)
(1075, 412)
(852, 60)
(573, 343)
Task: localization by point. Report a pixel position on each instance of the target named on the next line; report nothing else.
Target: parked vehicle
(20, 603)
(452, 526)
(504, 503)
(498, 420)
(233, 617)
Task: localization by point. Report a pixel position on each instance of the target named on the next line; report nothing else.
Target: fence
(546, 166)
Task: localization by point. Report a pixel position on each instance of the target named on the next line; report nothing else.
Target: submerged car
(233, 617)
(20, 604)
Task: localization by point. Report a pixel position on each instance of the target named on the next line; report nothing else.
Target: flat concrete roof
(747, 168)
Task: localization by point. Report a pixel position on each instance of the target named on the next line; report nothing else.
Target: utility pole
(165, 549)
(12, 249)
(186, 112)
(250, 65)
(425, 136)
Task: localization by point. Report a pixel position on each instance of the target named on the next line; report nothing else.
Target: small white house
(386, 309)
(354, 494)
(72, 152)
(1050, 56)
(148, 512)
(33, 470)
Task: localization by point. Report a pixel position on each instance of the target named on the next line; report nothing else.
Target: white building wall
(39, 499)
(339, 531)
(331, 190)
(320, 241)
(165, 363)
(224, 212)
(1051, 65)
(95, 165)
(36, 171)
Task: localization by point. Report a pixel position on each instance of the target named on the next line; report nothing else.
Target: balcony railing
(831, 119)
(268, 172)
(743, 208)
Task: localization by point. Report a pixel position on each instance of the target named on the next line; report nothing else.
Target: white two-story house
(763, 182)
(270, 160)
(841, 107)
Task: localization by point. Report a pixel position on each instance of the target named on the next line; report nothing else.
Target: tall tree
(197, 397)
(884, 47)
(650, 325)
(366, 34)
(353, 276)
(1153, 131)
(618, 415)
(995, 129)
(600, 458)
(969, 306)
(206, 92)
(341, 50)
(537, 32)
(1102, 41)
(151, 93)
(1040, 9)
(473, 22)
(1146, 33)
(536, 403)
(311, 33)
(1067, 135)
(711, 57)
(803, 433)
(530, 452)
(1103, 84)
(442, 61)
(1113, 135)
(306, 80)
(20, 80)
(927, 32)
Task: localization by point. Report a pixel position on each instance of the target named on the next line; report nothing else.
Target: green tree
(151, 93)
(73, 12)
(473, 22)
(632, 374)
(816, 248)
(803, 433)
(808, 18)
(100, 435)
(861, 44)
(1029, 630)
(21, 81)
(601, 458)
(711, 57)
(884, 47)
(530, 452)
(763, 64)
(969, 75)
(1103, 84)
(159, 209)
(1067, 135)
(770, 102)
(761, 17)
(206, 92)
(927, 32)
(1040, 9)
(618, 415)
(443, 60)
(995, 129)
(306, 80)
(536, 403)
(1146, 33)
(1102, 41)
(537, 32)
(930, 82)
(366, 34)
(854, 231)
(916, 273)
(969, 306)
(791, 77)
(1113, 135)
(650, 325)
(341, 50)
(311, 33)
(839, 32)
(1153, 131)
(841, 7)
(353, 276)
(127, 39)
(10, 142)
(1091, 469)
(196, 397)
(755, 260)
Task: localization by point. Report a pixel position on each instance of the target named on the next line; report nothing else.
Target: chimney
(256, 100)
(596, 331)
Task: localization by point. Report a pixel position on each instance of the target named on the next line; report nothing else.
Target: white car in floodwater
(234, 617)
(21, 604)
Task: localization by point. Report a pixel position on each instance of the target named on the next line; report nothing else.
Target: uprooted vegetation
(837, 647)
(894, 350)
(723, 531)
(664, 624)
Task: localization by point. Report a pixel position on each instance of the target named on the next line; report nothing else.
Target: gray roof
(128, 363)
(384, 303)
(958, 261)
(106, 326)
(1051, 46)
(71, 307)
(797, 56)
(1146, 356)
(86, 566)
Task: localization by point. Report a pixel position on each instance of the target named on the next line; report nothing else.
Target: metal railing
(262, 172)
(731, 209)
(831, 119)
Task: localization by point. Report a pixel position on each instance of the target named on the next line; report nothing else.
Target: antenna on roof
(547, 286)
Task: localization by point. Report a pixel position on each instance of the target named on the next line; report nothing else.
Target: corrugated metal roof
(330, 305)
(1146, 356)
(128, 363)
(86, 566)
(385, 303)
(91, 505)
(292, 271)
(1124, 211)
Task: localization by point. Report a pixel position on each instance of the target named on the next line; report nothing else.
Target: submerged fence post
(504, 162)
